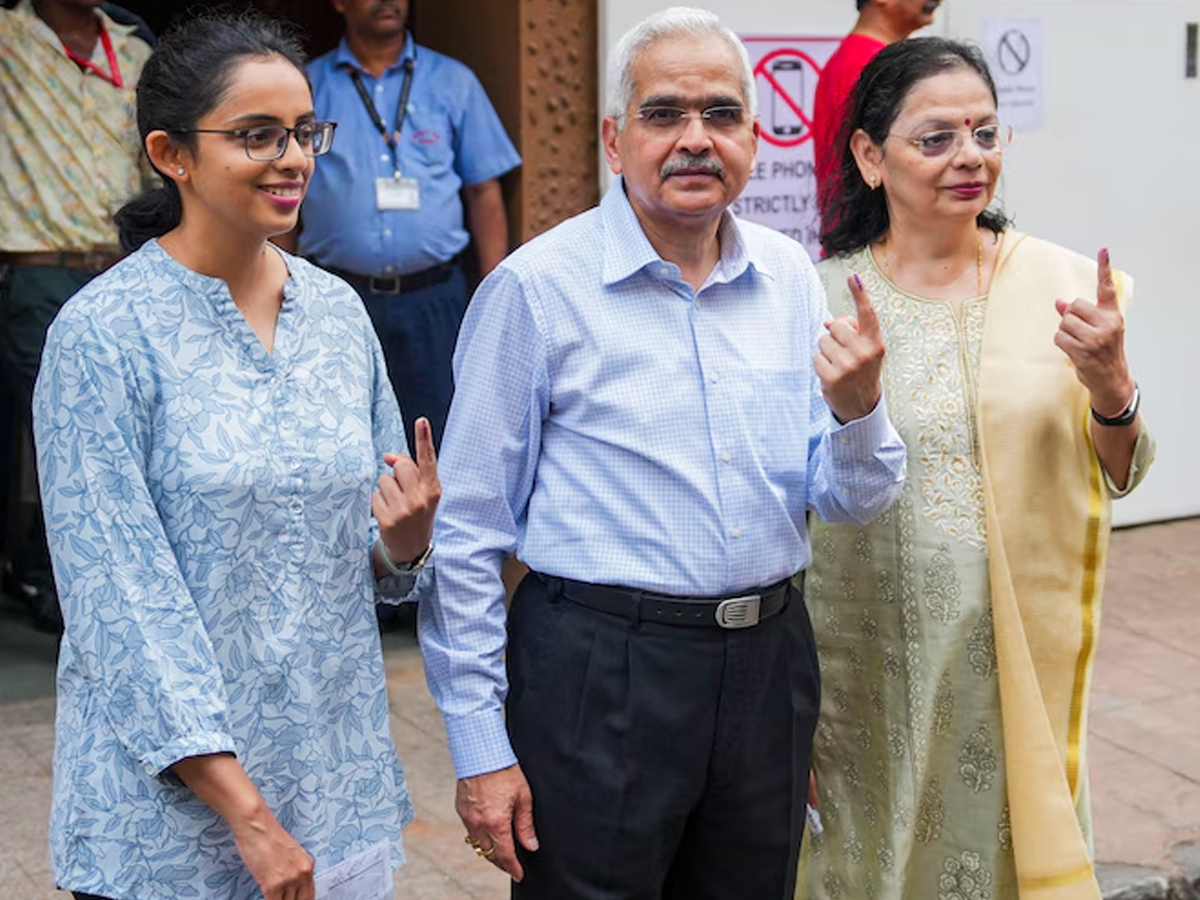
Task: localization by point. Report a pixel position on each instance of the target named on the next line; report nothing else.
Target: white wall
(1117, 164)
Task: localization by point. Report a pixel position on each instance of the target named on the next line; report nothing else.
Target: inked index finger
(426, 455)
(868, 320)
(1106, 289)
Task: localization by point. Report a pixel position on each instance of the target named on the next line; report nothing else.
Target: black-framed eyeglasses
(673, 119)
(991, 138)
(266, 143)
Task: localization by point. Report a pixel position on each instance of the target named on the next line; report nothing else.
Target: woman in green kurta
(922, 710)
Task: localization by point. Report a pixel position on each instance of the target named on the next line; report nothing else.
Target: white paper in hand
(364, 876)
(814, 822)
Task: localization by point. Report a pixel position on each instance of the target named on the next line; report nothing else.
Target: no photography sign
(782, 191)
(1014, 51)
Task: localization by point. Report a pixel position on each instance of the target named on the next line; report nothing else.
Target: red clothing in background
(833, 95)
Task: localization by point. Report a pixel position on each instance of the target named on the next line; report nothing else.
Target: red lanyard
(106, 41)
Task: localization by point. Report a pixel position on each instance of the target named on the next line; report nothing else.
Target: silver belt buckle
(739, 612)
(384, 284)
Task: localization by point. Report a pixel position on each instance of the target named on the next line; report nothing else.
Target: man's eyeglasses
(669, 120)
(265, 143)
(988, 139)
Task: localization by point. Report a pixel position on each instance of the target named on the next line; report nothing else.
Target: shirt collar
(627, 250)
(343, 57)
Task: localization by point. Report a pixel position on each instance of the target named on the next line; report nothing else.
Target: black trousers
(417, 331)
(666, 762)
(30, 298)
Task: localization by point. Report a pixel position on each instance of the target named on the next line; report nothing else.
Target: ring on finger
(472, 842)
(485, 854)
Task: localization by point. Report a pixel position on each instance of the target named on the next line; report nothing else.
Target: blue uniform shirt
(452, 137)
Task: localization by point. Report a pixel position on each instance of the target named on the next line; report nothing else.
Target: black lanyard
(391, 138)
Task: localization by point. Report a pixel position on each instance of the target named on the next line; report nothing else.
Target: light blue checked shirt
(612, 425)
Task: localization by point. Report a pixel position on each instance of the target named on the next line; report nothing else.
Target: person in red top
(880, 22)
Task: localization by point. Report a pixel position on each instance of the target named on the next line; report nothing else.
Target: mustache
(691, 161)
(382, 5)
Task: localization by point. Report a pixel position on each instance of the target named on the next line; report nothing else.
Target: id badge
(397, 193)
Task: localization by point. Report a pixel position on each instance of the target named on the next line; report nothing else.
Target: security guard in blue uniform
(412, 178)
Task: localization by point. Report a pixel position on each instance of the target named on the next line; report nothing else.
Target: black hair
(862, 4)
(853, 215)
(185, 78)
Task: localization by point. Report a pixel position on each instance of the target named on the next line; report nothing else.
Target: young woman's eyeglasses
(988, 139)
(266, 143)
(673, 119)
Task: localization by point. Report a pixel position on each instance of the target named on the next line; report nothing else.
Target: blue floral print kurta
(208, 511)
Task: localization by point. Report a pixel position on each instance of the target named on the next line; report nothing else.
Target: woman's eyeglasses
(266, 143)
(988, 139)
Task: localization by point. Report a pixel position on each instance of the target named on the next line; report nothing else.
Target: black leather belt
(94, 261)
(400, 284)
(742, 610)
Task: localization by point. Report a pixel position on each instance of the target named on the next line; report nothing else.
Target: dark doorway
(317, 21)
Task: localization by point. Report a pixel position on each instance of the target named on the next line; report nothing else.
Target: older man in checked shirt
(650, 397)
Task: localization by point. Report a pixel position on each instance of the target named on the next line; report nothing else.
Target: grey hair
(676, 22)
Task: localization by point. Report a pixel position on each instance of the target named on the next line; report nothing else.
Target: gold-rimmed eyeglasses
(266, 143)
(672, 120)
(991, 138)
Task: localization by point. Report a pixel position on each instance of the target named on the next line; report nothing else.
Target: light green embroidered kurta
(909, 750)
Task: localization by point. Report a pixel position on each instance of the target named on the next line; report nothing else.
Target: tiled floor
(1145, 733)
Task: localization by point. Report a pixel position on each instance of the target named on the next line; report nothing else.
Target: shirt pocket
(780, 426)
(428, 139)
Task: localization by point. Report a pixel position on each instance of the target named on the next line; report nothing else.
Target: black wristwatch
(1125, 417)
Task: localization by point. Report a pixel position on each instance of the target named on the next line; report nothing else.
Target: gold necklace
(887, 266)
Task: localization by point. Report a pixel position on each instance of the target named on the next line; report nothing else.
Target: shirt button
(383, 157)
(296, 506)
(295, 465)
(389, 269)
(726, 456)
(737, 533)
(379, 88)
(842, 439)
(713, 378)
(664, 270)
(387, 232)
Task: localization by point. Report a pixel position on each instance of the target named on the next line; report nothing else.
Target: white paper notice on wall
(1014, 50)
(782, 191)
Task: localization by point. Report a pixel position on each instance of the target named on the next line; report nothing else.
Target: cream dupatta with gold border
(1048, 520)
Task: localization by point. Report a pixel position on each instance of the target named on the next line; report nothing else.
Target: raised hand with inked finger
(850, 359)
(1092, 335)
(406, 500)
